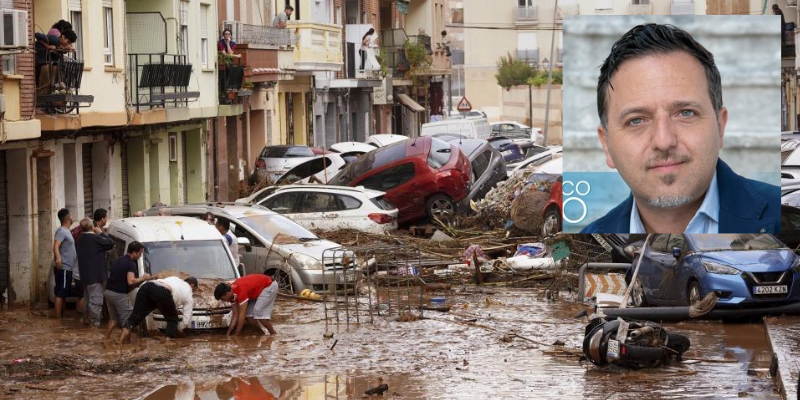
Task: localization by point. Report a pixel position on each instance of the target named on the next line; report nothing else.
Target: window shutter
(107, 3)
(75, 5)
(184, 12)
(204, 21)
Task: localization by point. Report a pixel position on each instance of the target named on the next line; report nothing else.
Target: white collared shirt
(182, 296)
(705, 220)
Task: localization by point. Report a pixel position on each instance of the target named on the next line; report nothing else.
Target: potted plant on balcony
(247, 85)
(224, 60)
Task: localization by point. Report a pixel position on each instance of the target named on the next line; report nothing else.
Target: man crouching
(166, 295)
(253, 297)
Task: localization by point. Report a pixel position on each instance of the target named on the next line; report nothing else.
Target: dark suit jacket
(745, 206)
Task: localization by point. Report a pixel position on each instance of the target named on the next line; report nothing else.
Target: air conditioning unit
(235, 27)
(13, 29)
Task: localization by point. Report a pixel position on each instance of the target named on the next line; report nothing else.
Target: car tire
(283, 279)
(552, 222)
(637, 294)
(694, 292)
(440, 206)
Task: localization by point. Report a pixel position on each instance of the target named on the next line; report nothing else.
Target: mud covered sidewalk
(494, 343)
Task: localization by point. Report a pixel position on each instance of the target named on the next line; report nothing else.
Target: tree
(541, 78)
(512, 72)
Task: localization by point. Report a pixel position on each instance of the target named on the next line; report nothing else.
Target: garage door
(4, 264)
(88, 196)
(126, 205)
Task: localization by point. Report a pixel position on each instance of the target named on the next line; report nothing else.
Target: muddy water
(436, 358)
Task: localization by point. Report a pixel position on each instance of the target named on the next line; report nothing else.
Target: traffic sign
(464, 105)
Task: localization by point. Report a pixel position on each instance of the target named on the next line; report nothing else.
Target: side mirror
(676, 252)
(243, 241)
(240, 268)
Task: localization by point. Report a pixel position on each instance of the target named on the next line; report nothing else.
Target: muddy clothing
(249, 287)
(182, 297)
(153, 296)
(66, 249)
(92, 248)
(233, 244)
(261, 308)
(118, 276)
(93, 309)
(119, 306)
(63, 286)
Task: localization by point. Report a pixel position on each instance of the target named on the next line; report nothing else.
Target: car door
(401, 188)
(653, 268)
(255, 260)
(677, 287)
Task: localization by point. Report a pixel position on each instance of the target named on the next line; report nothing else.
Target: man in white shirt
(166, 295)
(224, 228)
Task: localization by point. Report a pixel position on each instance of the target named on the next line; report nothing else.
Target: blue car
(742, 269)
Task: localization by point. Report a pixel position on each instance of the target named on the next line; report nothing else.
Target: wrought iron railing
(59, 84)
(159, 80)
(682, 7)
(530, 56)
(260, 35)
(526, 14)
(640, 8)
(231, 76)
(568, 9)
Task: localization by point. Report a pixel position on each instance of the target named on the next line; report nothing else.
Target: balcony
(260, 37)
(355, 70)
(319, 46)
(682, 7)
(231, 78)
(530, 56)
(159, 81)
(567, 9)
(525, 15)
(59, 95)
(259, 47)
(640, 7)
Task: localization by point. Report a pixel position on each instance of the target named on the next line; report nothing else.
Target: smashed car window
(440, 153)
(709, 242)
(390, 178)
(199, 258)
(369, 161)
(481, 163)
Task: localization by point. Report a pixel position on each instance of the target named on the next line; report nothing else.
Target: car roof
(166, 228)
(234, 210)
(331, 188)
(468, 146)
(453, 122)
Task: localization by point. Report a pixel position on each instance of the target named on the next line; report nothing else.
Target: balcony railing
(59, 84)
(392, 41)
(319, 46)
(682, 7)
(568, 9)
(640, 9)
(231, 76)
(526, 14)
(530, 56)
(159, 80)
(260, 36)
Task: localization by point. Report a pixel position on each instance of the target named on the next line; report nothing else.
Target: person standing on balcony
(226, 45)
(282, 18)
(369, 44)
(59, 27)
(365, 41)
(50, 48)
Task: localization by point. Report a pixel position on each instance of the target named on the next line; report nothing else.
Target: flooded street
(494, 343)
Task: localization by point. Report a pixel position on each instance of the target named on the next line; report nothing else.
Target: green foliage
(417, 55)
(541, 78)
(512, 72)
(224, 60)
(382, 57)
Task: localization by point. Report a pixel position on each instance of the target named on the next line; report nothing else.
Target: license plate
(349, 278)
(778, 289)
(204, 325)
(613, 349)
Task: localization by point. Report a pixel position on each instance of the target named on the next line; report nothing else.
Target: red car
(552, 211)
(422, 177)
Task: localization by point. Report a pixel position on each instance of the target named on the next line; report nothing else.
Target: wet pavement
(441, 357)
(784, 341)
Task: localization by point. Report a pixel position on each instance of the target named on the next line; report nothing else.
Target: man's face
(63, 41)
(663, 135)
(227, 297)
(137, 255)
(288, 13)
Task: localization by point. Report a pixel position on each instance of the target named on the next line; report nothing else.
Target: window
(390, 178)
(283, 203)
(108, 40)
(440, 154)
(349, 203)
(676, 240)
(184, 20)
(204, 35)
(315, 202)
(9, 64)
(77, 26)
(241, 232)
(481, 163)
(525, 3)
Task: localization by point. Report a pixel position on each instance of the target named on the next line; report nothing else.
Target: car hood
(753, 261)
(313, 249)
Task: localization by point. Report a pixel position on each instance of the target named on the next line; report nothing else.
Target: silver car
(294, 256)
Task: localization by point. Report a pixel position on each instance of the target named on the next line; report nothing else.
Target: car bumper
(734, 290)
(325, 282)
(200, 321)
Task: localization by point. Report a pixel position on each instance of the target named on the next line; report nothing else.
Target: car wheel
(694, 293)
(283, 279)
(637, 294)
(552, 222)
(440, 206)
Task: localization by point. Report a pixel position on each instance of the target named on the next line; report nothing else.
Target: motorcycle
(631, 344)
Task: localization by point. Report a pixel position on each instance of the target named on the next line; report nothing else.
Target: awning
(409, 102)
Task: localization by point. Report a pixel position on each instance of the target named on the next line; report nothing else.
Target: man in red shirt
(253, 297)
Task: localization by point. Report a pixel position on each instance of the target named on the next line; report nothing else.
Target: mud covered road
(506, 352)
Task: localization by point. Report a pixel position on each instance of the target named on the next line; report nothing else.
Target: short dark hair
(221, 289)
(99, 214)
(288, 8)
(209, 214)
(227, 30)
(70, 35)
(62, 25)
(192, 281)
(224, 223)
(62, 215)
(135, 247)
(444, 33)
(650, 39)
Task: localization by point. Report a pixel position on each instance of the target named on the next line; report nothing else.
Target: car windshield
(737, 242)
(272, 225)
(791, 198)
(199, 258)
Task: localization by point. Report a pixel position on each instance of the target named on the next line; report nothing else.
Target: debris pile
(519, 200)
(59, 366)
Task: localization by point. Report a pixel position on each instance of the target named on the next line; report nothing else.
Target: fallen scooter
(631, 344)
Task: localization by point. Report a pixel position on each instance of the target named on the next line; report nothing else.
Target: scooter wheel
(643, 356)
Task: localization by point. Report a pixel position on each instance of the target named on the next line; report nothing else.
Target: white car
(385, 139)
(517, 131)
(275, 161)
(536, 160)
(329, 208)
(352, 148)
(316, 170)
(790, 167)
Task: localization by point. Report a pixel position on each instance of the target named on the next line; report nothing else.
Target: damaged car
(740, 269)
(275, 161)
(182, 247)
(316, 170)
(488, 167)
(422, 176)
(275, 245)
